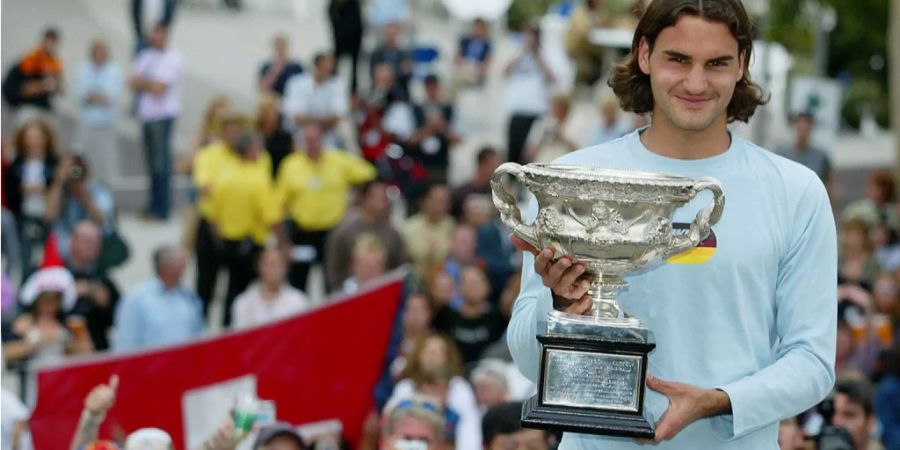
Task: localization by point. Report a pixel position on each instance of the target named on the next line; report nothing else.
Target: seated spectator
(491, 386)
(547, 139)
(279, 142)
(27, 182)
(370, 111)
(316, 99)
(430, 144)
(431, 355)
(462, 253)
(476, 324)
(390, 51)
(478, 211)
(270, 297)
(502, 429)
(413, 423)
(854, 411)
(790, 434)
(887, 246)
(245, 213)
(75, 196)
(159, 311)
(426, 235)
(373, 215)
(369, 258)
(887, 408)
(97, 293)
(611, 125)
(856, 259)
(857, 345)
(501, 259)
(878, 206)
(275, 73)
(37, 78)
(40, 335)
(886, 309)
(473, 55)
(487, 162)
(314, 184)
(417, 317)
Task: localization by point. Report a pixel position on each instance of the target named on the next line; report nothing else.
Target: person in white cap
(149, 439)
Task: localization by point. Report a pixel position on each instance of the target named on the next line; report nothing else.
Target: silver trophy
(614, 222)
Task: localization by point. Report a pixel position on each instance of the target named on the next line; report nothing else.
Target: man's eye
(677, 59)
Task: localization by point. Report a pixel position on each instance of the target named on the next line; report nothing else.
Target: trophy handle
(706, 217)
(506, 203)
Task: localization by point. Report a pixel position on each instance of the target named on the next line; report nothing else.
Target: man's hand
(687, 404)
(562, 276)
(225, 437)
(101, 398)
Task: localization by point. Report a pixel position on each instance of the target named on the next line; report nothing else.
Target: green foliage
(521, 12)
(866, 96)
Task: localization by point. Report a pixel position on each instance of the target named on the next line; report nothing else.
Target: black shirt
(472, 335)
(290, 69)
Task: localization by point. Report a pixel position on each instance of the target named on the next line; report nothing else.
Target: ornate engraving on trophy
(592, 380)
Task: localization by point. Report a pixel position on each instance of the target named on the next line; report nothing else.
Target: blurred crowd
(281, 190)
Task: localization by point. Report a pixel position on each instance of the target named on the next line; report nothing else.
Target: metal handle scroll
(706, 217)
(506, 203)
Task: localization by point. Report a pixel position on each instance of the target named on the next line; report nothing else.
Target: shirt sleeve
(356, 169)
(170, 72)
(805, 325)
(128, 325)
(531, 307)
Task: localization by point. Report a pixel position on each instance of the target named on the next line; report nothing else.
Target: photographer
(849, 417)
(74, 196)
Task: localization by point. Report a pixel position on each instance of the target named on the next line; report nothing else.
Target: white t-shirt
(250, 309)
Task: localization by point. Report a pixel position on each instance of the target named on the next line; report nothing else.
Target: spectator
(99, 86)
(367, 264)
(27, 182)
(426, 235)
(790, 434)
(491, 386)
(802, 150)
(245, 209)
(501, 258)
(316, 99)
(211, 128)
(274, 74)
(390, 51)
(502, 429)
(40, 335)
(587, 56)
(413, 423)
(74, 196)
(209, 163)
(97, 293)
(878, 206)
(372, 216)
(476, 324)
(436, 354)
(279, 142)
(36, 79)
(156, 76)
(547, 139)
(856, 263)
(314, 184)
(14, 417)
(473, 56)
(346, 21)
(417, 316)
(270, 297)
(527, 72)
(611, 126)
(159, 311)
(477, 211)
(886, 307)
(857, 347)
(462, 254)
(853, 410)
(887, 408)
(147, 14)
(434, 133)
(371, 111)
(96, 405)
(487, 162)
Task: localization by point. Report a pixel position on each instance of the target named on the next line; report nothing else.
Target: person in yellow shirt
(314, 184)
(209, 162)
(245, 209)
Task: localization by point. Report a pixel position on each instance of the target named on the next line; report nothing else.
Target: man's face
(85, 244)
(159, 37)
(377, 201)
(99, 54)
(49, 45)
(790, 435)
(437, 203)
(803, 129)
(852, 416)
(523, 439)
(325, 68)
(367, 265)
(412, 429)
(272, 267)
(280, 45)
(693, 68)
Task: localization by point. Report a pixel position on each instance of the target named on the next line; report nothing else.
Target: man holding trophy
(633, 277)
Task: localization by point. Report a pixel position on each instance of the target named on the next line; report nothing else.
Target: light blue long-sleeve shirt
(757, 320)
(151, 316)
(105, 79)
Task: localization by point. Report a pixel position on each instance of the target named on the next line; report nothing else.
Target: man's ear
(644, 55)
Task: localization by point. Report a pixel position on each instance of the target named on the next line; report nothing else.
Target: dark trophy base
(591, 385)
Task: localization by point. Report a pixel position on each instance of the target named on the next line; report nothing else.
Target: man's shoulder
(592, 152)
(793, 175)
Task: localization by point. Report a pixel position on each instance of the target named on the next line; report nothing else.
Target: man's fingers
(570, 277)
(520, 244)
(658, 385)
(556, 272)
(581, 306)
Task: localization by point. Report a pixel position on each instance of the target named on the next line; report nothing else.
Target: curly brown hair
(632, 86)
(50, 152)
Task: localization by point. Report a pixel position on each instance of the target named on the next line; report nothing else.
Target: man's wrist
(717, 403)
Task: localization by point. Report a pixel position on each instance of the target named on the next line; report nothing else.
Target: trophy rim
(598, 173)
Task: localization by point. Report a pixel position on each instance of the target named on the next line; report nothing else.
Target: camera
(831, 437)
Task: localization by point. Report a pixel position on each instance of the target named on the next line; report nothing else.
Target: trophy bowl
(612, 221)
